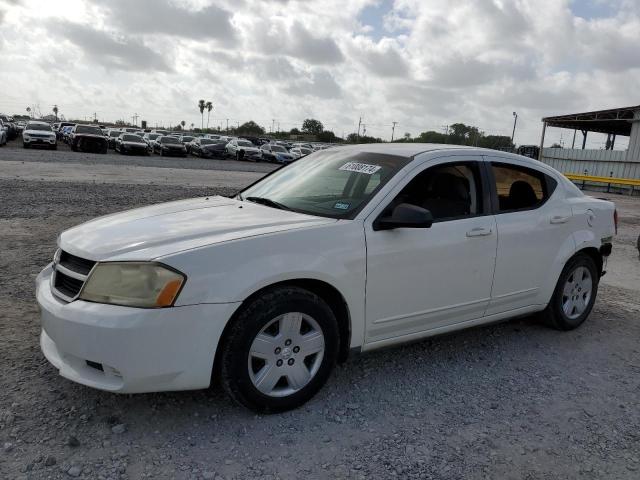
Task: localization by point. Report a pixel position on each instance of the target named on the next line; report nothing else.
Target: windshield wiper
(268, 202)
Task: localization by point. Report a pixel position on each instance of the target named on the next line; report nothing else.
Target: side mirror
(405, 215)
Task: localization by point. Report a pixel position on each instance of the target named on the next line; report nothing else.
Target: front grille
(70, 273)
(77, 264)
(68, 286)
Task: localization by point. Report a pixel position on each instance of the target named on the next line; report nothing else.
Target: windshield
(278, 148)
(152, 136)
(39, 126)
(334, 184)
(244, 143)
(171, 140)
(187, 139)
(206, 141)
(132, 138)
(88, 129)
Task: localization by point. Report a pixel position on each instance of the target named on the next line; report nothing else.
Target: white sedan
(348, 249)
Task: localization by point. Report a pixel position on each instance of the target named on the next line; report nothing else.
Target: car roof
(403, 149)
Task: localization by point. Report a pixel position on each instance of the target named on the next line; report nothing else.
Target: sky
(421, 63)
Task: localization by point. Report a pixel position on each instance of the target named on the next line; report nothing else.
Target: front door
(420, 279)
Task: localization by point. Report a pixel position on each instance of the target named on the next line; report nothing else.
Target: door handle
(557, 219)
(479, 232)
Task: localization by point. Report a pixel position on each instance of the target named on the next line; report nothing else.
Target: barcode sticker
(360, 168)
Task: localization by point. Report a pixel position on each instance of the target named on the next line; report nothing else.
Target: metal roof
(615, 120)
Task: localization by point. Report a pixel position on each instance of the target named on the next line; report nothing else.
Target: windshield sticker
(360, 168)
(341, 206)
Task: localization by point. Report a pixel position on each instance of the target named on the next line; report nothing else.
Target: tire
(54, 147)
(295, 377)
(569, 306)
(25, 145)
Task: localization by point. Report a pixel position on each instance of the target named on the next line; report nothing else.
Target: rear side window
(521, 188)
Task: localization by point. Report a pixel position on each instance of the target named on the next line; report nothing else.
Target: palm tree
(201, 107)
(55, 111)
(183, 123)
(209, 107)
(29, 111)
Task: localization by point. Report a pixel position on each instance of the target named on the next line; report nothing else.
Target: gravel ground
(513, 400)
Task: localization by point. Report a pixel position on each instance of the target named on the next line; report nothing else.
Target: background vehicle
(186, 140)
(39, 134)
(150, 137)
(3, 133)
(61, 129)
(438, 238)
(168, 145)
(87, 138)
(276, 153)
(112, 136)
(207, 148)
(128, 143)
(299, 152)
(12, 129)
(243, 149)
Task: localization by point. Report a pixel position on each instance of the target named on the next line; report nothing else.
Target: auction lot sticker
(360, 168)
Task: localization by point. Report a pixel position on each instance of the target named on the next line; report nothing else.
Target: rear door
(420, 279)
(534, 225)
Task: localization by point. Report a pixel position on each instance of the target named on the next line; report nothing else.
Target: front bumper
(39, 141)
(130, 350)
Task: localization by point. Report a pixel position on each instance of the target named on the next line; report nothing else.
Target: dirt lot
(514, 400)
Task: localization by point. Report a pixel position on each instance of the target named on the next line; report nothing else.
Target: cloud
(319, 84)
(104, 48)
(277, 38)
(167, 18)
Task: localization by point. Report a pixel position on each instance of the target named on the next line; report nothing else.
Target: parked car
(276, 153)
(39, 134)
(150, 137)
(167, 145)
(352, 249)
(60, 130)
(186, 140)
(4, 130)
(12, 129)
(299, 152)
(161, 132)
(128, 143)
(207, 148)
(243, 149)
(112, 136)
(66, 132)
(87, 138)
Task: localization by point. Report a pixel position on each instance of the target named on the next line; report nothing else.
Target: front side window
(520, 188)
(331, 184)
(449, 191)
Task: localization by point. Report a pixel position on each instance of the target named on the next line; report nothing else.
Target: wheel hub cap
(286, 354)
(576, 293)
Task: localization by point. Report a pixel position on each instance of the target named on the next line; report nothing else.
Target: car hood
(172, 145)
(248, 149)
(135, 144)
(167, 228)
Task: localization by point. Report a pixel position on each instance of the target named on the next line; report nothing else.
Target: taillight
(615, 219)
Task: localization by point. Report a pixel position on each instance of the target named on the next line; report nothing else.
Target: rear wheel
(574, 295)
(280, 350)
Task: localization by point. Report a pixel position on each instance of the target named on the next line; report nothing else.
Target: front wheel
(574, 295)
(280, 350)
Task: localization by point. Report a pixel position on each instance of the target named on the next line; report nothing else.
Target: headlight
(132, 284)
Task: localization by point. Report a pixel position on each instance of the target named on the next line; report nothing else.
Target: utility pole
(515, 121)
(273, 125)
(135, 119)
(364, 130)
(393, 129)
(227, 125)
(359, 123)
